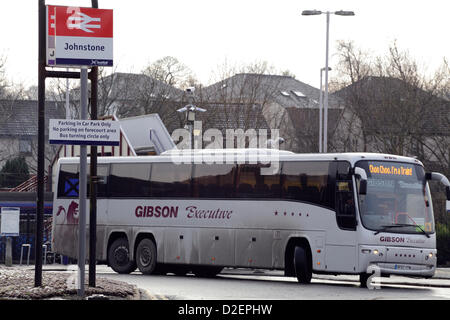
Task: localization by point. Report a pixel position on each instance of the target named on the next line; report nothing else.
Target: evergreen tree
(14, 172)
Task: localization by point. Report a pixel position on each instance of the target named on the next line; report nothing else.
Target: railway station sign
(84, 132)
(79, 36)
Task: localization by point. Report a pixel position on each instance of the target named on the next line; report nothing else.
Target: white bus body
(308, 216)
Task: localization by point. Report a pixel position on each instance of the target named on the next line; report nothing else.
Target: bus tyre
(302, 266)
(119, 257)
(146, 256)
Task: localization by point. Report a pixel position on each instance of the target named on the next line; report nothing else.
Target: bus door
(341, 239)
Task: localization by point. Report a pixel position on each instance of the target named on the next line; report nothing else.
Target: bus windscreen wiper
(384, 228)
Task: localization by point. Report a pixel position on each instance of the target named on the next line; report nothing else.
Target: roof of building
(20, 117)
(232, 116)
(307, 120)
(260, 88)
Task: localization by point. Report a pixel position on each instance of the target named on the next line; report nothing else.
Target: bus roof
(239, 155)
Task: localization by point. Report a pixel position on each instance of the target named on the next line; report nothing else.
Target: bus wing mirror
(442, 179)
(361, 174)
(435, 176)
(447, 203)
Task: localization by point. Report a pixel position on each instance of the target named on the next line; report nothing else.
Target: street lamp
(315, 13)
(190, 110)
(321, 111)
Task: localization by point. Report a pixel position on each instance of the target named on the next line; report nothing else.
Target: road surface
(237, 284)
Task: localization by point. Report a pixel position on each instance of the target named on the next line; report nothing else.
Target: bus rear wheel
(146, 256)
(302, 266)
(119, 257)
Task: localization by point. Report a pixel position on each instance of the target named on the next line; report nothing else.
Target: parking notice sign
(84, 132)
(79, 36)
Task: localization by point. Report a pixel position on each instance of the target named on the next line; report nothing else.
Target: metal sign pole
(43, 74)
(93, 179)
(82, 188)
(41, 147)
(93, 186)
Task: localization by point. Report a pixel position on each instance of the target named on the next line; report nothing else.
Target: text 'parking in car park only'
(84, 132)
(79, 36)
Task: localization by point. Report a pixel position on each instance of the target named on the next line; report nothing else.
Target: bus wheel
(119, 257)
(302, 266)
(146, 256)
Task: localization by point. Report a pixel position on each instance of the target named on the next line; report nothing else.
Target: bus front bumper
(419, 262)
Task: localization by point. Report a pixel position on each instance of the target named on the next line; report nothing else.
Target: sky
(204, 34)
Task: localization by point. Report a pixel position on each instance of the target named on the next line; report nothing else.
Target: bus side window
(269, 185)
(213, 180)
(246, 180)
(129, 180)
(68, 181)
(102, 181)
(170, 180)
(306, 181)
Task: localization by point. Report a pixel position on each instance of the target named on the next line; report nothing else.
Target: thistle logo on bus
(156, 212)
(70, 216)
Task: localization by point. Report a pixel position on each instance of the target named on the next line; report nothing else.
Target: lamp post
(315, 13)
(321, 111)
(190, 110)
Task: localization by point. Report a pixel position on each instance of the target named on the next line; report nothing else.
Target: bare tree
(390, 98)
(3, 82)
(238, 97)
(394, 107)
(8, 92)
(353, 67)
(170, 71)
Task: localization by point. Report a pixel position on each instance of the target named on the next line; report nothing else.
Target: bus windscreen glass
(397, 198)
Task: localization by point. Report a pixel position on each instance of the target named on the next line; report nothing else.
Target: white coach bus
(301, 213)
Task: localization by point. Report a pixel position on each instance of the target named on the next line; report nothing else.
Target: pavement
(59, 283)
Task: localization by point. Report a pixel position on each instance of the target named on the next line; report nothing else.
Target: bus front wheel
(146, 256)
(119, 257)
(302, 266)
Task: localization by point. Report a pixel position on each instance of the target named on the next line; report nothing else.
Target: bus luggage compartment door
(181, 245)
(254, 248)
(216, 246)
